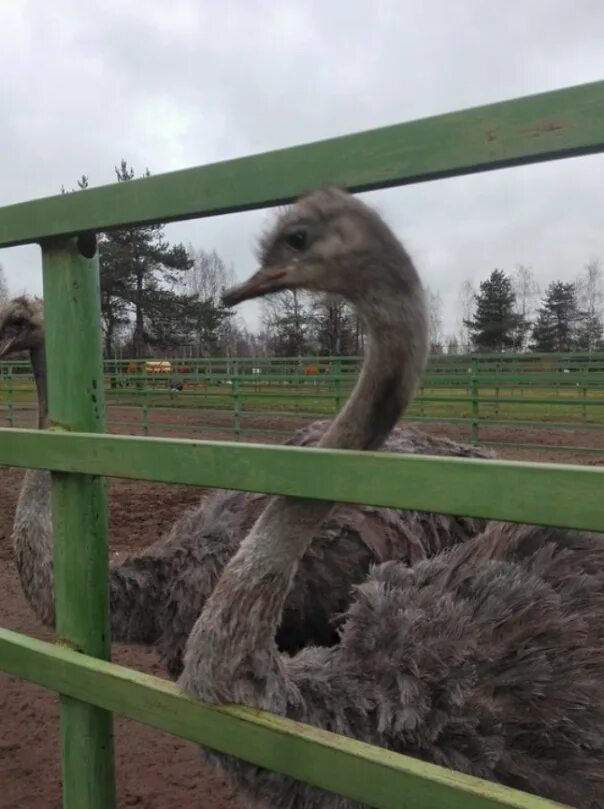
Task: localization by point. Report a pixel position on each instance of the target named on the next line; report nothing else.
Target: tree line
(161, 298)
(505, 314)
(501, 316)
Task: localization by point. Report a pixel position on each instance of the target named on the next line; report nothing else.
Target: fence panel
(206, 396)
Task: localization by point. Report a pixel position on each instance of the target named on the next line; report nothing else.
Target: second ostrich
(156, 596)
(488, 658)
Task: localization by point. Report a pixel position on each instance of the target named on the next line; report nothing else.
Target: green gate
(563, 123)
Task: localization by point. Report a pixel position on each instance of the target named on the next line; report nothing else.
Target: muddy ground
(154, 770)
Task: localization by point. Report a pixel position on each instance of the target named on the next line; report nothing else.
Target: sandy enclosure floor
(154, 770)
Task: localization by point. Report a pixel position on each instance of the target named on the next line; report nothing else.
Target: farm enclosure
(92, 690)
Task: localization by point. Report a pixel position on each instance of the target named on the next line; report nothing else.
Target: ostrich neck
(231, 653)
(32, 531)
(393, 361)
(38, 364)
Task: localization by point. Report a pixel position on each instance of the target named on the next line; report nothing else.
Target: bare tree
(334, 330)
(208, 276)
(465, 310)
(238, 341)
(435, 319)
(590, 299)
(590, 288)
(526, 289)
(206, 280)
(452, 344)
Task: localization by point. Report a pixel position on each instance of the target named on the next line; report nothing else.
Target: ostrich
(487, 658)
(156, 596)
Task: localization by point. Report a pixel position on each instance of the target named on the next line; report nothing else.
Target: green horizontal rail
(509, 422)
(440, 364)
(499, 357)
(520, 400)
(196, 410)
(562, 123)
(576, 449)
(590, 372)
(356, 770)
(545, 494)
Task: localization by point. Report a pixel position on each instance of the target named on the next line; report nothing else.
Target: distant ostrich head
(21, 325)
(330, 242)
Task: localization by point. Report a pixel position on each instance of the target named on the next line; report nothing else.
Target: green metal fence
(561, 394)
(553, 125)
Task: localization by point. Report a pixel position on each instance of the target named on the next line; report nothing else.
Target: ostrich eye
(297, 239)
(17, 320)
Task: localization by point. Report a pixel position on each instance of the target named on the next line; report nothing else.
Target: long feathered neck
(38, 364)
(231, 655)
(394, 359)
(32, 531)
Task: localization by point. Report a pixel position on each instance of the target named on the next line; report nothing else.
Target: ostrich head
(331, 242)
(21, 325)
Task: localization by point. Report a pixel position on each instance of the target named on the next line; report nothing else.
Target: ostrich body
(157, 595)
(487, 658)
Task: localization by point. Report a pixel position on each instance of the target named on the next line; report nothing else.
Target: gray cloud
(168, 85)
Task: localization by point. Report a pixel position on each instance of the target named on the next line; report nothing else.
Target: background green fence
(91, 688)
(262, 397)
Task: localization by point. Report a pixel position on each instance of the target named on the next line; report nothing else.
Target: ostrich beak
(266, 280)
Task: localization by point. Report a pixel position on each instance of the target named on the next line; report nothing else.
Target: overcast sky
(174, 84)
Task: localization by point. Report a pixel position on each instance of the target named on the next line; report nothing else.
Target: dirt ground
(154, 770)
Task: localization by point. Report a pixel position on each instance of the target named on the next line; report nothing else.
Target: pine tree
(558, 319)
(495, 326)
(590, 332)
(141, 275)
(175, 321)
(135, 265)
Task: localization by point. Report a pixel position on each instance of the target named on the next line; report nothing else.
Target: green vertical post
(337, 372)
(236, 407)
(75, 400)
(145, 393)
(474, 401)
(9, 390)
